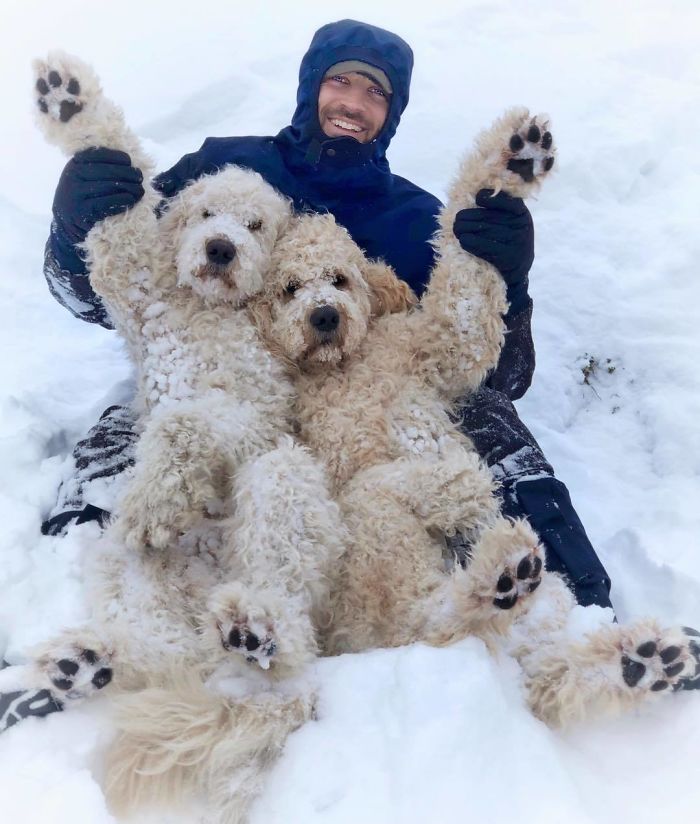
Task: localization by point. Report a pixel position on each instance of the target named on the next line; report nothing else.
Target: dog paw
(520, 577)
(669, 660)
(245, 626)
(530, 150)
(75, 673)
(255, 643)
(59, 92)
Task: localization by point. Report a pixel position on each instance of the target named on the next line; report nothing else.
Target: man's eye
(255, 225)
(339, 280)
(339, 78)
(291, 287)
(379, 92)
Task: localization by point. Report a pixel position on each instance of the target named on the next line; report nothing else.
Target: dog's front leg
(181, 475)
(74, 114)
(459, 332)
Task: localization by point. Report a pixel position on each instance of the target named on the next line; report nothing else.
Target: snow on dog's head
(219, 233)
(322, 293)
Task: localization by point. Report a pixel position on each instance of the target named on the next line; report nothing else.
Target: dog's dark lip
(320, 344)
(213, 270)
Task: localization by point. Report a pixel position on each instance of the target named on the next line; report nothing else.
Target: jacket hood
(334, 43)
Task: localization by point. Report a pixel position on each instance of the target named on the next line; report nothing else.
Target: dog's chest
(185, 356)
(359, 419)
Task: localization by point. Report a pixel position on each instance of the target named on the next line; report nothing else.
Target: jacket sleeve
(206, 160)
(513, 374)
(69, 283)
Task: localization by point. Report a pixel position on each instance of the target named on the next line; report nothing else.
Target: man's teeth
(343, 124)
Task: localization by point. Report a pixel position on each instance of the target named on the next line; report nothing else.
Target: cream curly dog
(373, 400)
(243, 511)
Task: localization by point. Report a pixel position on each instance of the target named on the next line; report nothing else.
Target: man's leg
(529, 489)
(104, 454)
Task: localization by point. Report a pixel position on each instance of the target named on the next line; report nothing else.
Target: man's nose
(325, 319)
(355, 100)
(220, 251)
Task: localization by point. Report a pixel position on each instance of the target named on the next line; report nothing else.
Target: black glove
(501, 232)
(95, 183)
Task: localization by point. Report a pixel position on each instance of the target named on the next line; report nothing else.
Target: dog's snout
(325, 319)
(220, 251)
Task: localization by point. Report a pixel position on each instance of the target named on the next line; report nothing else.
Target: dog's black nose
(324, 319)
(220, 251)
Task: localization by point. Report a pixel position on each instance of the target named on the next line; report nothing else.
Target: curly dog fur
(219, 554)
(374, 397)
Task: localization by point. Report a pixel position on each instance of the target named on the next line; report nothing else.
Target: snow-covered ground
(411, 735)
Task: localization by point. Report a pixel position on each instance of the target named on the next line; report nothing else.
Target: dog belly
(419, 426)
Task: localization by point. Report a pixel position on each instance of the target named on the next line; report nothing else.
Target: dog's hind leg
(283, 544)
(393, 587)
(605, 672)
(504, 569)
(74, 114)
(73, 666)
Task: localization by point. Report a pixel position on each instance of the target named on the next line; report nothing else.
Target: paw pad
(530, 153)
(658, 666)
(57, 98)
(524, 579)
(254, 646)
(81, 673)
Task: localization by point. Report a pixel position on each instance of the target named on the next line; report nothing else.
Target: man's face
(352, 105)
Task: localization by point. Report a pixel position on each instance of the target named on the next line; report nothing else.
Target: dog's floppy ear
(388, 294)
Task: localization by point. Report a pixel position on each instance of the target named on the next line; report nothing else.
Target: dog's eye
(339, 280)
(206, 214)
(255, 225)
(291, 287)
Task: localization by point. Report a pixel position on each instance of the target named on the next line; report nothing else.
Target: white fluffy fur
(242, 510)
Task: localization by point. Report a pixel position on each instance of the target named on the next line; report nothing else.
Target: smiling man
(353, 88)
(353, 101)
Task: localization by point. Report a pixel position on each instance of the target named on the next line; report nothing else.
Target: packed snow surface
(411, 735)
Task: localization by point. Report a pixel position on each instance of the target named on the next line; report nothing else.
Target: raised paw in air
(76, 673)
(667, 662)
(520, 577)
(530, 151)
(252, 639)
(58, 93)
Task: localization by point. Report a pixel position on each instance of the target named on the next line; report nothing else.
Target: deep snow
(411, 735)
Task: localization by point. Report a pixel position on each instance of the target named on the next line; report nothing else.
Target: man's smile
(343, 124)
(336, 124)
